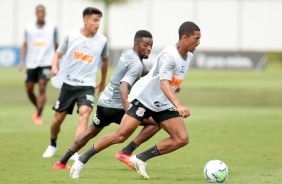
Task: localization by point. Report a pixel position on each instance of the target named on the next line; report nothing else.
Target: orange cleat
(124, 158)
(37, 120)
(59, 166)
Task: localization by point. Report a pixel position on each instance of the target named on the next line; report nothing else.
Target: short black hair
(187, 28)
(40, 6)
(90, 11)
(142, 34)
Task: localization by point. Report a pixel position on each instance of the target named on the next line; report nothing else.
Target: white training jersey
(81, 60)
(168, 66)
(40, 44)
(129, 69)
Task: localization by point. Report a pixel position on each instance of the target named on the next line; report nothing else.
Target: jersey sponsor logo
(172, 109)
(74, 79)
(39, 43)
(79, 56)
(140, 112)
(96, 120)
(90, 98)
(159, 104)
(175, 82)
(57, 104)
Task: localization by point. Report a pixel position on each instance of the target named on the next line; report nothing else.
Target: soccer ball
(215, 171)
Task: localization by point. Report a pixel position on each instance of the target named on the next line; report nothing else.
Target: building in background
(231, 26)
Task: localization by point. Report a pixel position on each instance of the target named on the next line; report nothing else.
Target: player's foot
(37, 120)
(76, 169)
(124, 158)
(50, 151)
(74, 157)
(59, 166)
(139, 165)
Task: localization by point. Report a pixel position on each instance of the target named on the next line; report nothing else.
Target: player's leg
(43, 78)
(30, 80)
(63, 106)
(103, 117)
(150, 128)
(174, 125)
(127, 127)
(78, 143)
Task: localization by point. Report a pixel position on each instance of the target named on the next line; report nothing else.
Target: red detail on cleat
(124, 158)
(59, 166)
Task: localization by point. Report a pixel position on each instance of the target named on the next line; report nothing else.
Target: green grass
(236, 117)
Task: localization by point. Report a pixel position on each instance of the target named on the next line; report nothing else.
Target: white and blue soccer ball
(215, 171)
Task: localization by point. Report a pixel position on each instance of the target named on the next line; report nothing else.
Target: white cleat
(76, 169)
(139, 165)
(74, 157)
(50, 151)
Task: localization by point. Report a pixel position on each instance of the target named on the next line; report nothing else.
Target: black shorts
(105, 116)
(82, 95)
(33, 75)
(138, 111)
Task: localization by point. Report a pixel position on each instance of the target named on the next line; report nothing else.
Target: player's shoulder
(101, 36)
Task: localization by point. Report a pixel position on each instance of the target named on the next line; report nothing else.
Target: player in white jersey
(113, 103)
(157, 91)
(39, 47)
(75, 65)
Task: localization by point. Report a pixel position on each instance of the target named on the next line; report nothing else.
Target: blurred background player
(40, 43)
(113, 103)
(154, 96)
(84, 50)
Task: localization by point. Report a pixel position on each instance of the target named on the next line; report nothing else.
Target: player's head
(143, 43)
(91, 19)
(189, 34)
(40, 13)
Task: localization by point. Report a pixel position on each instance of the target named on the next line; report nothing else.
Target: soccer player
(40, 43)
(154, 96)
(113, 103)
(74, 66)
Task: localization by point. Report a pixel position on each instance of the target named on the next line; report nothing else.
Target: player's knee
(183, 141)
(121, 138)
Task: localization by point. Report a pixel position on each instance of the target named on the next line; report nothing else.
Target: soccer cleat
(37, 120)
(76, 169)
(124, 158)
(74, 157)
(139, 165)
(50, 151)
(60, 166)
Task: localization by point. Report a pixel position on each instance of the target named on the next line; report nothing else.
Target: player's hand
(100, 87)
(54, 71)
(20, 66)
(177, 90)
(183, 111)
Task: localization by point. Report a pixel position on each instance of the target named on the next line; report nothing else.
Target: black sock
(87, 155)
(54, 142)
(66, 157)
(130, 148)
(150, 153)
(39, 111)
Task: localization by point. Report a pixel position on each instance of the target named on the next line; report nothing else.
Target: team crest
(140, 112)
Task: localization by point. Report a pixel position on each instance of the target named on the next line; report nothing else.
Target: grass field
(236, 117)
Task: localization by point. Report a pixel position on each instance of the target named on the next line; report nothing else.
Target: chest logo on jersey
(80, 56)
(175, 82)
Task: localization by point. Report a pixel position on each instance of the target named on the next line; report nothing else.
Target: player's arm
(23, 52)
(58, 55)
(56, 38)
(104, 68)
(123, 91)
(55, 63)
(167, 65)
